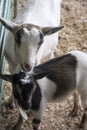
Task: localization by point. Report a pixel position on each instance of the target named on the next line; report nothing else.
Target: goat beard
(23, 113)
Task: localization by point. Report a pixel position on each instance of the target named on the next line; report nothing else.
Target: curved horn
(8, 24)
(51, 30)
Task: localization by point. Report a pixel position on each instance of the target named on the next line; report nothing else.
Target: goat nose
(28, 67)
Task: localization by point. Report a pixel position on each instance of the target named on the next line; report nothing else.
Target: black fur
(22, 90)
(60, 70)
(36, 98)
(23, 97)
(36, 121)
(18, 37)
(41, 38)
(64, 77)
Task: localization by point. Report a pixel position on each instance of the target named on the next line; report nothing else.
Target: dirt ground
(72, 37)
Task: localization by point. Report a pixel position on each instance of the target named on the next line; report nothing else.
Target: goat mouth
(26, 108)
(25, 68)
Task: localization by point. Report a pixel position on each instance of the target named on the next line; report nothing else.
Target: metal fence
(5, 11)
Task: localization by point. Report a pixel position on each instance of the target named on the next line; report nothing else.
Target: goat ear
(51, 30)
(41, 74)
(8, 24)
(6, 77)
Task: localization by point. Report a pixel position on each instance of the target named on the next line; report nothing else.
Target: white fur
(81, 75)
(39, 12)
(48, 88)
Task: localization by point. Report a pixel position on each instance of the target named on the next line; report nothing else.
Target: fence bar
(5, 11)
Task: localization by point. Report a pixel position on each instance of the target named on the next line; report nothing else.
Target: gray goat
(53, 80)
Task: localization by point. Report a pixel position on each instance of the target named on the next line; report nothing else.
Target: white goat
(26, 44)
(62, 76)
(39, 18)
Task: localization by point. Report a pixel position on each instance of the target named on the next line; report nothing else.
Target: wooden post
(15, 8)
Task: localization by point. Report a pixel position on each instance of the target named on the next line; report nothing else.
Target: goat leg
(36, 123)
(76, 104)
(18, 125)
(83, 120)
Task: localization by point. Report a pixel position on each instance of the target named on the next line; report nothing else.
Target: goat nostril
(28, 67)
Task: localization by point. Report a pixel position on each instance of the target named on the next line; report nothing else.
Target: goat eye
(41, 38)
(18, 36)
(21, 31)
(40, 43)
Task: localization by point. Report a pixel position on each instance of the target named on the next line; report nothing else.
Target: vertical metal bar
(5, 11)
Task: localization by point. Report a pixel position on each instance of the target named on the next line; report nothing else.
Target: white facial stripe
(26, 31)
(34, 32)
(27, 52)
(25, 80)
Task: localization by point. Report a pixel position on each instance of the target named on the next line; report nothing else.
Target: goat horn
(8, 24)
(51, 30)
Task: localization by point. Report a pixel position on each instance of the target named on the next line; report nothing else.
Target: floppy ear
(41, 74)
(6, 77)
(9, 25)
(51, 30)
